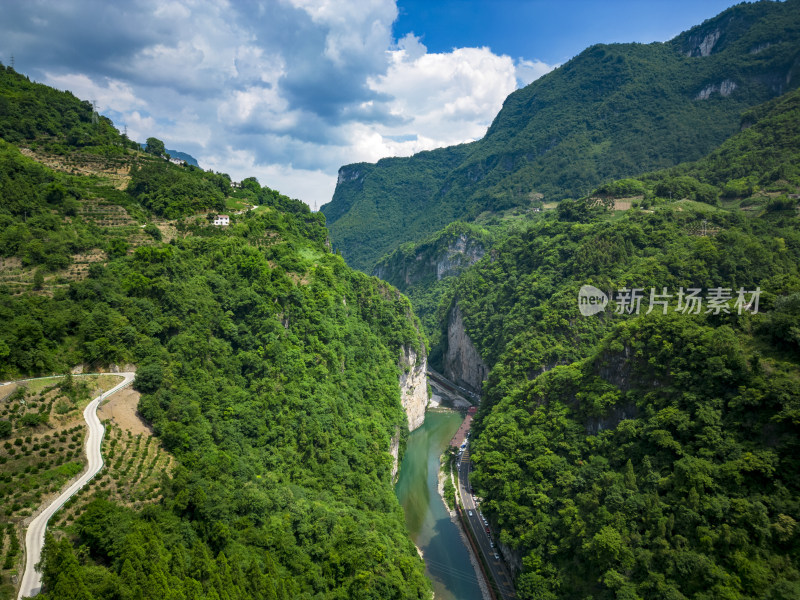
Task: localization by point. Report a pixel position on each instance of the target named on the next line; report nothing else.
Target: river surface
(446, 558)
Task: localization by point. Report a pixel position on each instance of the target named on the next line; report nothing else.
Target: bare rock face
(702, 42)
(347, 174)
(513, 558)
(459, 254)
(414, 396)
(403, 269)
(462, 362)
(394, 450)
(414, 386)
(725, 88)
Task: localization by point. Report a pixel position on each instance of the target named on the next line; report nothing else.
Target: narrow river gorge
(446, 557)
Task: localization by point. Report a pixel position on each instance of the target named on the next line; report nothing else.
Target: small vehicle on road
(496, 556)
(470, 513)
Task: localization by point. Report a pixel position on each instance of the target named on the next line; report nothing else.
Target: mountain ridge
(611, 111)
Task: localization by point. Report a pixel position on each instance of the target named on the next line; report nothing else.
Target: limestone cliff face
(460, 254)
(513, 557)
(414, 396)
(724, 88)
(462, 362)
(446, 254)
(702, 43)
(394, 450)
(414, 386)
(350, 173)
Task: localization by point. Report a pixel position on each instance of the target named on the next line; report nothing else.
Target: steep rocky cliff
(462, 363)
(414, 386)
(413, 394)
(463, 252)
(446, 253)
(424, 271)
(394, 450)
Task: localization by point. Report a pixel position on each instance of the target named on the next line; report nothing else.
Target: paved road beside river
(496, 566)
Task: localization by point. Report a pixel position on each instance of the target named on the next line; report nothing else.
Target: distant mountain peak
(187, 158)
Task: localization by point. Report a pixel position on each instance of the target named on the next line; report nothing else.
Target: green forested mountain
(649, 456)
(268, 369)
(612, 111)
(764, 156)
(634, 455)
(32, 112)
(271, 374)
(375, 204)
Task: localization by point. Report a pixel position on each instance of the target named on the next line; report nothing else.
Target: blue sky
(552, 32)
(290, 90)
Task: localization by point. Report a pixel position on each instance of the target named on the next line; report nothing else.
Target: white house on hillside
(222, 220)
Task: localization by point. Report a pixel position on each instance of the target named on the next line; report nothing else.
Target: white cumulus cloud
(108, 93)
(530, 70)
(440, 98)
(286, 90)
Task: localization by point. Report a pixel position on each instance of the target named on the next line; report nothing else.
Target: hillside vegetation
(268, 371)
(612, 111)
(635, 455)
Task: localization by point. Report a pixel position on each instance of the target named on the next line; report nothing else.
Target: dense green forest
(663, 466)
(55, 120)
(268, 368)
(649, 455)
(639, 455)
(278, 399)
(613, 111)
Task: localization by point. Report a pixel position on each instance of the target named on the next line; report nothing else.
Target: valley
(290, 371)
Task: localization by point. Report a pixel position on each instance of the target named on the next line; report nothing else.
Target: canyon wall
(462, 362)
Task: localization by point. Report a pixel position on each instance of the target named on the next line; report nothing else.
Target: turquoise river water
(446, 558)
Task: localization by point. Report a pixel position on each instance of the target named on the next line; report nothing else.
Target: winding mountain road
(34, 537)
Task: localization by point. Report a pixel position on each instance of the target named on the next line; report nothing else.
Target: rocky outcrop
(725, 89)
(347, 174)
(414, 386)
(446, 255)
(760, 47)
(394, 450)
(462, 362)
(703, 44)
(512, 557)
(413, 395)
(460, 254)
